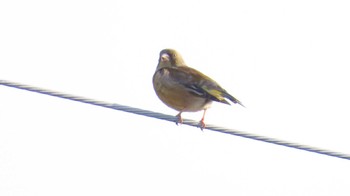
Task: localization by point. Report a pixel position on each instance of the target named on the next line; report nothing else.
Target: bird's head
(170, 58)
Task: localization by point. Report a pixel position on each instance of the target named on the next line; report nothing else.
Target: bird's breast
(175, 95)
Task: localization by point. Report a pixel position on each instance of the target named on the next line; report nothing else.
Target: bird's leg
(179, 118)
(201, 122)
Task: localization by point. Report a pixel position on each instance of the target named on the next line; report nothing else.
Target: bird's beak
(164, 57)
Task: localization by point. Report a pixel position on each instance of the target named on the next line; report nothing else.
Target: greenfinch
(185, 89)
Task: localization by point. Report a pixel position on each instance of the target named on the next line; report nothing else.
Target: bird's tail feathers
(231, 98)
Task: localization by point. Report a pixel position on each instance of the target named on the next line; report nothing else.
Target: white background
(287, 61)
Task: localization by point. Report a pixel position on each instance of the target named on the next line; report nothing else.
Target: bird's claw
(201, 124)
(179, 119)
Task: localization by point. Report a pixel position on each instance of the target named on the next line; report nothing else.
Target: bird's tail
(231, 98)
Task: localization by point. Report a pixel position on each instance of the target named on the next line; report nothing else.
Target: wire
(173, 119)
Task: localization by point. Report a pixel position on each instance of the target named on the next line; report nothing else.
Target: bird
(186, 89)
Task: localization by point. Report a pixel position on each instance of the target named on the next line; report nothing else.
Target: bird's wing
(198, 83)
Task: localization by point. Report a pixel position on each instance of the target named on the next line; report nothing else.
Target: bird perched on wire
(185, 89)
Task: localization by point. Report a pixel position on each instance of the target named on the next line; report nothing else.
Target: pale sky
(287, 61)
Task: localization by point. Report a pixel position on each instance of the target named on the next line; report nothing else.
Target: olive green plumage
(184, 88)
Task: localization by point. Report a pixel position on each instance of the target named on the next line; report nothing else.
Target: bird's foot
(201, 124)
(179, 119)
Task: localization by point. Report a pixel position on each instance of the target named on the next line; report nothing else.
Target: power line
(173, 119)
